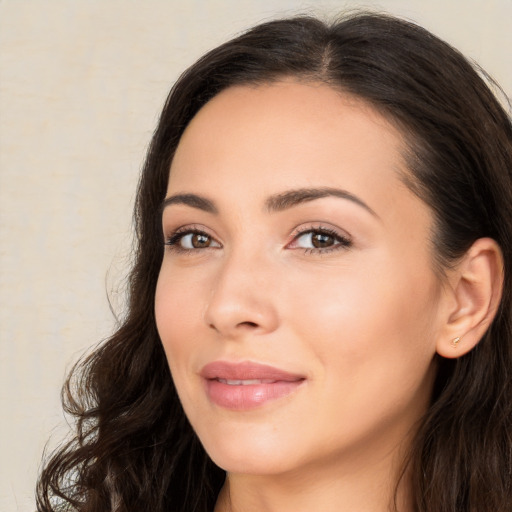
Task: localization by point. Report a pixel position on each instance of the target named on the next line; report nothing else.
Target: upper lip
(247, 370)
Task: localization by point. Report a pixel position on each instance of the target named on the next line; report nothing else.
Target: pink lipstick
(247, 385)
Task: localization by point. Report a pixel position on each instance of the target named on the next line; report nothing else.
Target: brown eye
(195, 241)
(191, 241)
(322, 240)
(199, 241)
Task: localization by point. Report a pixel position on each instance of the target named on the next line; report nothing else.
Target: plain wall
(81, 86)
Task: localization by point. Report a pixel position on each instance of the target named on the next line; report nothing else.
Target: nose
(243, 298)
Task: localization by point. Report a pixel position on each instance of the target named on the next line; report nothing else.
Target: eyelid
(186, 228)
(174, 236)
(344, 240)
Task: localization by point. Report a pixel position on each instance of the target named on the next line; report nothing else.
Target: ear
(475, 287)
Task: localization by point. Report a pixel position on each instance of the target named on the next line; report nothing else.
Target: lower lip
(251, 396)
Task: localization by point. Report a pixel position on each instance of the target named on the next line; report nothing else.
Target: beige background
(81, 85)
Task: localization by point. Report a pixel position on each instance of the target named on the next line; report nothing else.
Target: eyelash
(173, 241)
(341, 242)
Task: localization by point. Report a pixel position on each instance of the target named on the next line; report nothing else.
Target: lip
(247, 385)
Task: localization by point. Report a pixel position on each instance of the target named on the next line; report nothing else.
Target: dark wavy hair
(134, 450)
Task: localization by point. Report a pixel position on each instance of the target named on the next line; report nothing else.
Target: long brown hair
(133, 448)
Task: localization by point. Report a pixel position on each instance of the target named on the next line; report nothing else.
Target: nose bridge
(241, 294)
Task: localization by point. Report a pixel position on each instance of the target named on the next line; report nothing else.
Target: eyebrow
(192, 200)
(275, 203)
(292, 198)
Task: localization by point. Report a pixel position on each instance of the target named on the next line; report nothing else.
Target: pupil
(199, 241)
(322, 240)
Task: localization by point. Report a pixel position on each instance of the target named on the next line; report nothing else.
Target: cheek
(372, 338)
(377, 318)
(176, 313)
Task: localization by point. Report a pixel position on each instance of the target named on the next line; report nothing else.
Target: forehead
(287, 133)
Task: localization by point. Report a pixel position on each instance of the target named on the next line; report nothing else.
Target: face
(296, 301)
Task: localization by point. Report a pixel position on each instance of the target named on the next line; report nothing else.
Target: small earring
(455, 342)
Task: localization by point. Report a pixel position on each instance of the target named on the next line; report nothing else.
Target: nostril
(248, 324)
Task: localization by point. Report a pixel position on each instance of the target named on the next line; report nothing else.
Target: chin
(241, 450)
(257, 464)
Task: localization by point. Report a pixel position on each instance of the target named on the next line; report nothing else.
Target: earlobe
(476, 286)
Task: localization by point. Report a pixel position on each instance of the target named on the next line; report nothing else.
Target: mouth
(249, 382)
(245, 386)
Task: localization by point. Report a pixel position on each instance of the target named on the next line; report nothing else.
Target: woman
(324, 262)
